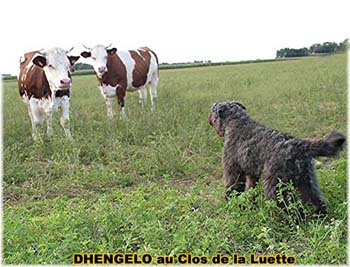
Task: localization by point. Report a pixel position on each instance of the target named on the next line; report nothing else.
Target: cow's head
(56, 65)
(98, 56)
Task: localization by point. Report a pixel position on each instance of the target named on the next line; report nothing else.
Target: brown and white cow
(44, 83)
(121, 71)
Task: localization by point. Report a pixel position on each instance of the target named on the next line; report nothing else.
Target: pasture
(153, 183)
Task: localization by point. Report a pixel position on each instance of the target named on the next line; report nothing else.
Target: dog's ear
(239, 104)
(222, 110)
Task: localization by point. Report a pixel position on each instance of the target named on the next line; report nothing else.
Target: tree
(325, 48)
(314, 48)
(342, 46)
(82, 66)
(329, 47)
(292, 52)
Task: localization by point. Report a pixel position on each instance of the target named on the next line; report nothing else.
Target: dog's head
(223, 112)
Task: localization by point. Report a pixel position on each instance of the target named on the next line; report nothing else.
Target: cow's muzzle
(65, 83)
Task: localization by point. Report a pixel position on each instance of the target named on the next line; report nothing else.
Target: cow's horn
(69, 50)
(86, 47)
(42, 52)
(108, 45)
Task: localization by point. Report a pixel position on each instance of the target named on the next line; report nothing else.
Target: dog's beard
(214, 121)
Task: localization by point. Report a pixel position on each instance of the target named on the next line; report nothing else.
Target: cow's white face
(98, 56)
(99, 60)
(56, 65)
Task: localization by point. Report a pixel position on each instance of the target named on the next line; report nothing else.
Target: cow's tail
(155, 55)
(329, 146)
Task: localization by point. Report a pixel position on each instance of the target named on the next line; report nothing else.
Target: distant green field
(153, 183)
(166, 66)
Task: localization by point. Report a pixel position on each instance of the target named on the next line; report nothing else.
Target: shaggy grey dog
(251, 150)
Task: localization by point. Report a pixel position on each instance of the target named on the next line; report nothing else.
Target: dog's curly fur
(251, 150)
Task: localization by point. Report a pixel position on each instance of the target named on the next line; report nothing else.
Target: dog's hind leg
(250, 182)
(271, 183)
(271, 186)
(310, 191)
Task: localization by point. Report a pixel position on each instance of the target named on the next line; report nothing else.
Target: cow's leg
(153, 90)
(109, 103)
(143, 96)
(64, 120)
(35, 116)
(49, 122)
(121, 100)
(31, 116)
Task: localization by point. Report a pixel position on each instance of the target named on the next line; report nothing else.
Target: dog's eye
(221, 111)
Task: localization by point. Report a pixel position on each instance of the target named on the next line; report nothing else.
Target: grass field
(153, 183)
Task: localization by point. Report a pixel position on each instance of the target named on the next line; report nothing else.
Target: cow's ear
(86, 54)
(111, 51)
(73, 59)
(40, 61)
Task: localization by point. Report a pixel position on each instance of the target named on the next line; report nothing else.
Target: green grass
(153, 183)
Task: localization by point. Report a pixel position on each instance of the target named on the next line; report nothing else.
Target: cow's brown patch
(142, 60)
(151, 51)
(32, 80)
(116, 73)
(115, 76)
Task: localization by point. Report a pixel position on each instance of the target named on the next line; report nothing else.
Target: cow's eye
(93, 58)
(51, 67)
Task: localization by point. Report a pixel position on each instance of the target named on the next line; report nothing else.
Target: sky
(177, 30)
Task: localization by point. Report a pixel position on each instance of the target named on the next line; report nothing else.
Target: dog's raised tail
(329, 146)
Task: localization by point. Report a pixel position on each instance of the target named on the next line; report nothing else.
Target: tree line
(315, 49)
